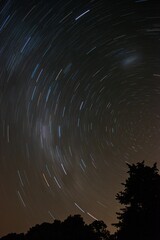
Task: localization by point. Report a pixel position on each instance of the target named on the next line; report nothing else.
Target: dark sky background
(79, 97)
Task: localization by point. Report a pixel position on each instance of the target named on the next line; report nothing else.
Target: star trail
(79, 97)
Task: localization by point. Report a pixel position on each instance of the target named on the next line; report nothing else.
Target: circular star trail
(79, 97)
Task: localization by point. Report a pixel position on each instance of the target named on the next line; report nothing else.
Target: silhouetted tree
(72, 228)
(56, 230)
(45, 231)
(99, 231)
(140, 218)
(39, 232)
(13, 236)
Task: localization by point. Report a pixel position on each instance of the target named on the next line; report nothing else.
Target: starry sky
(79, 97)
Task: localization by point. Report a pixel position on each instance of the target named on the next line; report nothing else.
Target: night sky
(79, 97)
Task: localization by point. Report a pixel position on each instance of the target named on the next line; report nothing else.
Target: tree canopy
(140, 217)
(72, 228)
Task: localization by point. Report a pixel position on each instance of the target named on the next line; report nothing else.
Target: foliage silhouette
(98, 228)
(73, 228)
(140, 218)
(13, 236)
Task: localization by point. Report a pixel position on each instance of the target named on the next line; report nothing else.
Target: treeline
(73, 228)
(139, 219)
